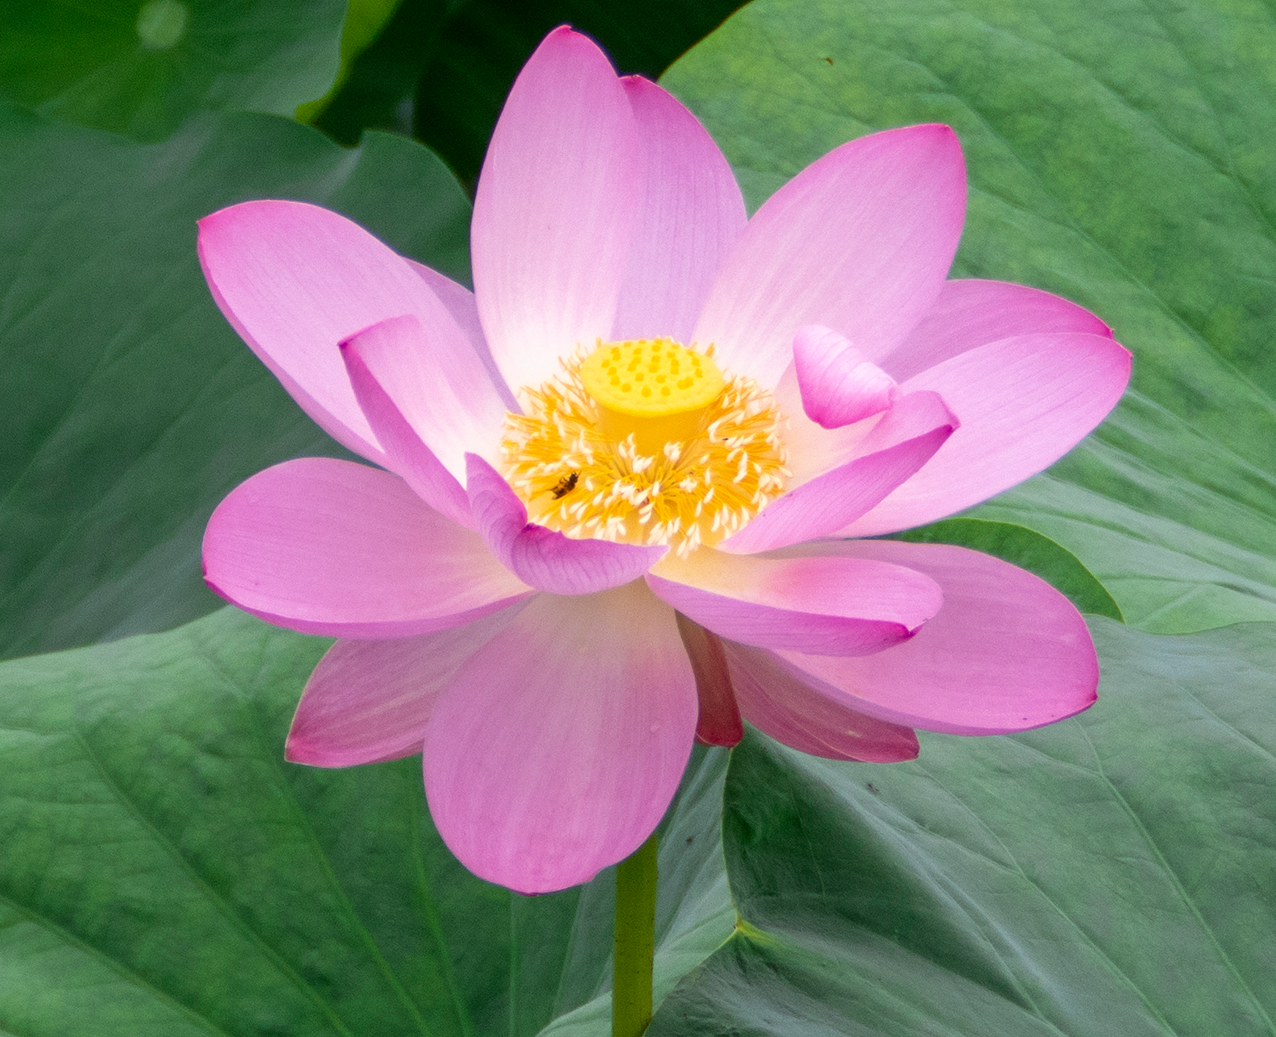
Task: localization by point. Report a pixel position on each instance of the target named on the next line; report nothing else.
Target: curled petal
(835, 606)
(689, 219)
(540, 557)
(554, 211)
(860, 240)
(896, 448)
(441, 388)
(719, 722)
(369, 701)
(330, 547)
(1007, 652)
(557, 747)
(777, 703)
(1024, 402)
(839, 386)
(406, 454)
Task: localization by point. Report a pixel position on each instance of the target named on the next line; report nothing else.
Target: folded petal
(860, 241)
(330, 547)
(438, 384)
(777, 703)
(540, 557)
(689, 219)
(556, 748)
(835, 606)
(970, 313)
(838, 384)
(905, 439)
(1007, 652)
(369, 701)
(1024, 402)
(294, 280)
(719, 722)
(554, 211)
(406, 454)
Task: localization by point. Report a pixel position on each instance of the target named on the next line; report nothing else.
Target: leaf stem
(635, 941)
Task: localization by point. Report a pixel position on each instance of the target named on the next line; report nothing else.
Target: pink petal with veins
(1007, 652)
(330, 547)
(971, 313)
(369, 701)
(690, 217)
(834, 606)
(554, 211)
(860, 240)
(557, 747)
(778, 704)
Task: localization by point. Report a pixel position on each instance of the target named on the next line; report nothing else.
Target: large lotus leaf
(1111, 874)
(1119, 153)
(130, 406)
(142, 68)
(163, 870)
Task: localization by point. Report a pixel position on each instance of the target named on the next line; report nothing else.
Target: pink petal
(690, 217)
(778, 704)
(970, 313)
(905, 439)
(1024, 403)
(294, 280)
(1007, 652)
(406, 454)
(369, 701)
(557, 747)
(540, 557)
(833, 606)
(719, 722)
(555, 207)
(459, 302)
(859, 241)
(330, 547)
(839, 386)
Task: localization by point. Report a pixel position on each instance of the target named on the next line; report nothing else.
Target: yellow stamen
(597, 456)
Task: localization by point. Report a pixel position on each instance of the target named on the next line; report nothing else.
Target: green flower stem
(635, 945)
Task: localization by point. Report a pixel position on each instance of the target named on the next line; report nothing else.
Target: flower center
(645, 441)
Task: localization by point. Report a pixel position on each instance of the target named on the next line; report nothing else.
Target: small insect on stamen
(565, 485)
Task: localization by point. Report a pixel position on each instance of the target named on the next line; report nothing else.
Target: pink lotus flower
(559, 578)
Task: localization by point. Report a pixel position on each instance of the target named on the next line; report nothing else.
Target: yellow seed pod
(651, 378)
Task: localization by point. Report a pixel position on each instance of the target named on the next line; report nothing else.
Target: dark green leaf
(378, 91)
(1119, 154)
(131, 407)
(1108, 875)
(142, 68)
(1028, 550)
(164, 871)
(365, 21)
